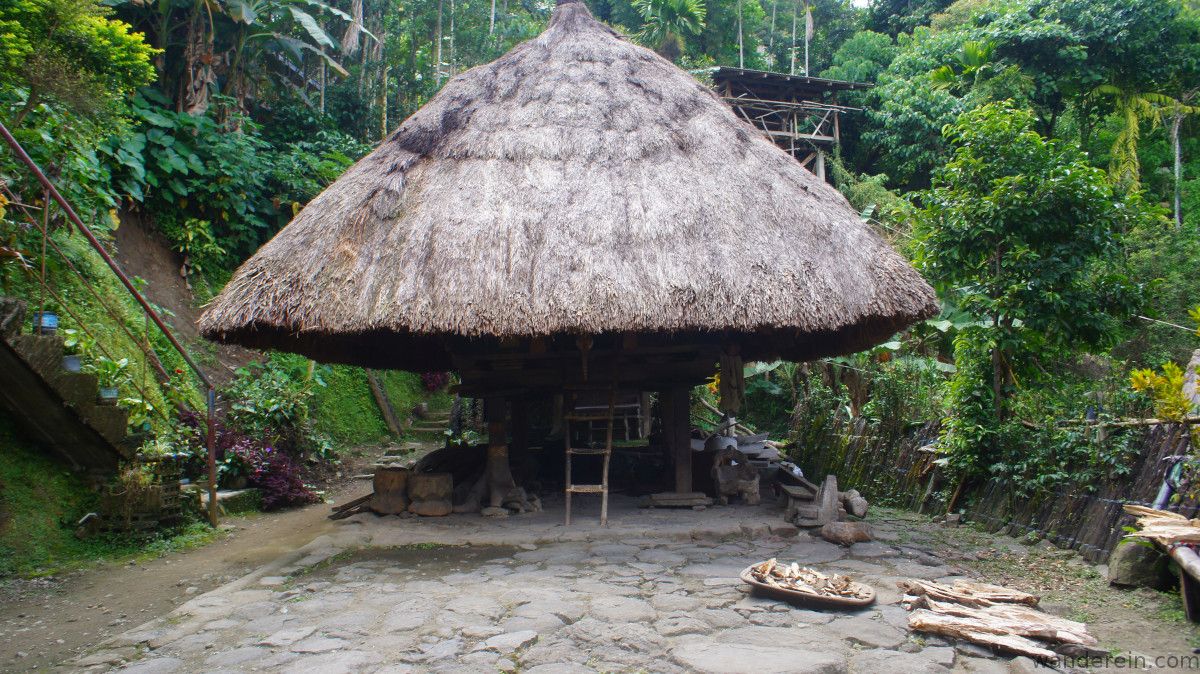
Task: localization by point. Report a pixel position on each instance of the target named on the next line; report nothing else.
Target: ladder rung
(587, 417)
(586, 488)
(588, 450)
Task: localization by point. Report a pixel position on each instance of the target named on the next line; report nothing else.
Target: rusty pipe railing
(210, 393)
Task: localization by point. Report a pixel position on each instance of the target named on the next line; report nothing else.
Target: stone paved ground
(634, 597)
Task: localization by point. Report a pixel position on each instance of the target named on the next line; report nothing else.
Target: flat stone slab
(287, 637)
(512, 641)
(714, 658)
(658, 593)
(881, 660)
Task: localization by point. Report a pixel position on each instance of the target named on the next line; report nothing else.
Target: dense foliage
(1024, 153)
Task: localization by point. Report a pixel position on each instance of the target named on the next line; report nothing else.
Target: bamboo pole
(1195, 419)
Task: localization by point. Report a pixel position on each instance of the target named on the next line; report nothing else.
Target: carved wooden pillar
(500, 479)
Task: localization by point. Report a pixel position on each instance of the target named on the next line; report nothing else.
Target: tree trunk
(771, 35)
(321, 105)
(31, 102)
(198, 70)
(792, 53)
(492, 21)
(354, 30)
(997, 383)
(1176, 124)
(453, 50)
(741, 42)
(383, 100)
(437, 59)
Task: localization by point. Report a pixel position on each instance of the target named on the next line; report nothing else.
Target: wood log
(1016, 619)
(391, 491)
(955, 627)
(967, 593)
(353, 510)
(385, 405)
(1124, 423)
(430, 487)
(1163, 527)
(350, 504)
(708, 406)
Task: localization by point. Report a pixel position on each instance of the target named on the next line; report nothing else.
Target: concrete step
(58, 407)
(110, 421)
(76, 388)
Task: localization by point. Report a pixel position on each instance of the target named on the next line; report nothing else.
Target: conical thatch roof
(578, 184)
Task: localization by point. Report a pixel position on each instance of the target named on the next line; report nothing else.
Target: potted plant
(45, 322)
(110, 374)
(77, 344)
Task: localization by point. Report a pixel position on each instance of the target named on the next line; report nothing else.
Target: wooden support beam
(519, 444)
(499, 473)
(675, 404)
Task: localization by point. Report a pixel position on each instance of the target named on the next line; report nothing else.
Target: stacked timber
(1179, 536)
(1165, 528)
(1001, 618)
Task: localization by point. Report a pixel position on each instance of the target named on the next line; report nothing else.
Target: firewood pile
(795, 578)
(993, 616)
(1162, 527)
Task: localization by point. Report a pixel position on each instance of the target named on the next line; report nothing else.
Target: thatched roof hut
(580, 184)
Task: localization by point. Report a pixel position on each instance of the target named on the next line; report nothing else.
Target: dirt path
(43, 622)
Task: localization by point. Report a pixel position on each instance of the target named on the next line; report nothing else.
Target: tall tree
(1134, 107)
(1012, 230)
(70, 52)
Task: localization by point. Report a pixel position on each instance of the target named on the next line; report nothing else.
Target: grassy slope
(37, 494)
(40, 501)
(82, 308)
(345, 410)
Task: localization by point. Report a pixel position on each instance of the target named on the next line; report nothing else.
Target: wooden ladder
(605, 452)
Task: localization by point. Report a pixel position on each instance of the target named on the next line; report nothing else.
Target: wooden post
(556, 425)
(500, 479)
(675, 413)
(644, 416)
(518, 446)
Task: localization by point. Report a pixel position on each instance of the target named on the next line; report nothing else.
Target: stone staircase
(56, 408)
(434, 423)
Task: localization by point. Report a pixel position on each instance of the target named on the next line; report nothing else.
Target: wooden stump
(430, 494)
(391, 491)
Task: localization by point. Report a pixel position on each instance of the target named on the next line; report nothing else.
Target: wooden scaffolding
(800, 114)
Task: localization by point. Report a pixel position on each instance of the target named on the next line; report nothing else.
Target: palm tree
(1133, 107)
(667, 23)
(1177, 116)
(974, 63)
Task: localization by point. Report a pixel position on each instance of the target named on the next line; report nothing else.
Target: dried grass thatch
(578, 184)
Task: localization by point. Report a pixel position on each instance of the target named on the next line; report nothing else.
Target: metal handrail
(145, 346)
(211, 393)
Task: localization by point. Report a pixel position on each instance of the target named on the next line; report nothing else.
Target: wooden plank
(350, 504)
(385, 405)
